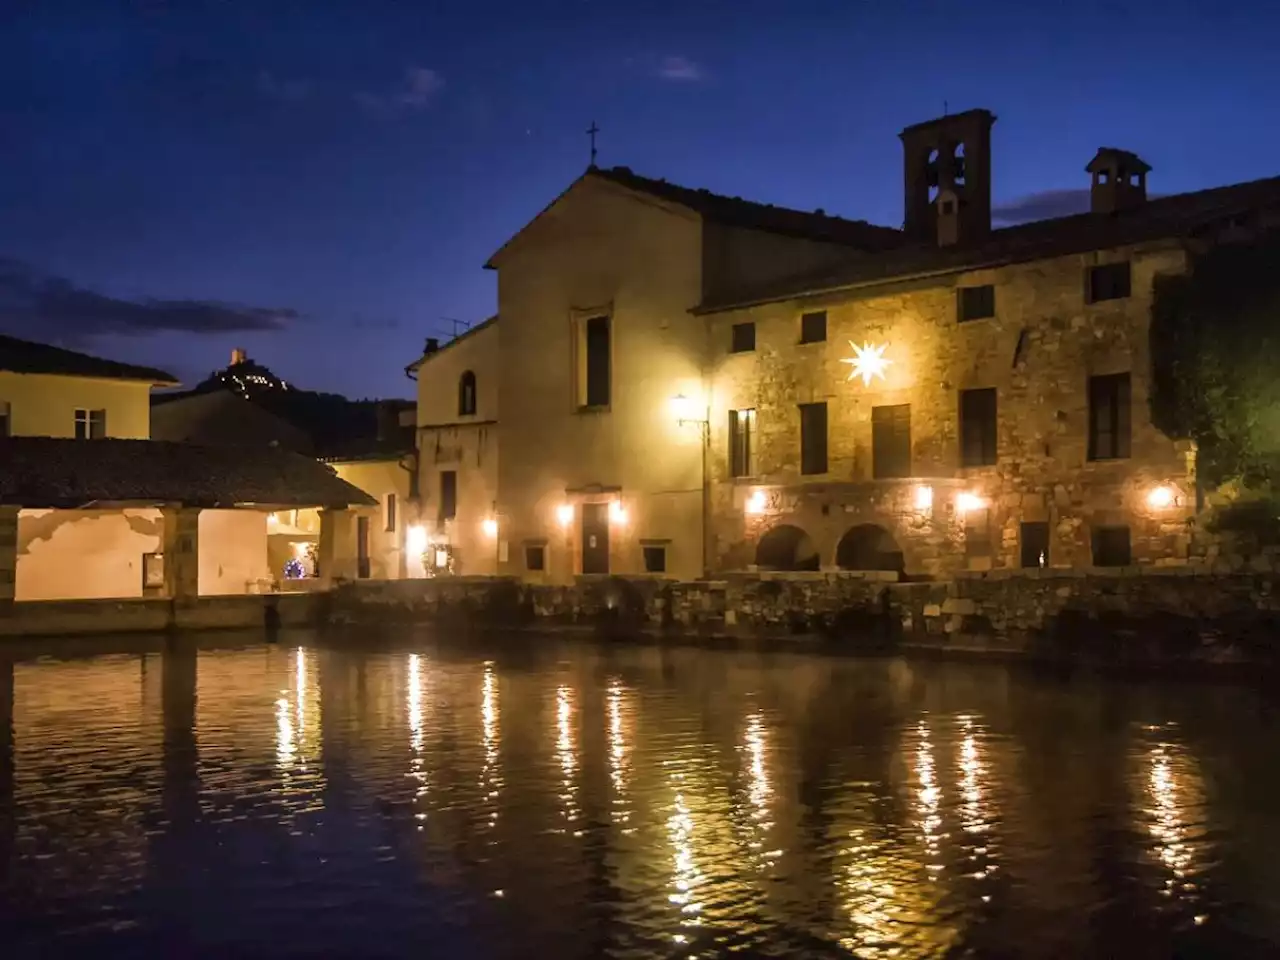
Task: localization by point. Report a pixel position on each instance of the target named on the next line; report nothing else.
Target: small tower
(1119, 180)
(947, 178)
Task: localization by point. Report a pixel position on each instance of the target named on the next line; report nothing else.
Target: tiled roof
(736, 212)
(27, 356)
(1171, 217)
(68, 474)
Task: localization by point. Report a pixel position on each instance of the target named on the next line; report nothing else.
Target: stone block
(933, 610)
(959, 606)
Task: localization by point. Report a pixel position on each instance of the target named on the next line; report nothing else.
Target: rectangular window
(535, 557)
(1034, 540)
(813, 438)
(655, 558)
(448, 494)
(975, 303)
(742, 425)
(391, 513)
(742, 338)
(978, 427)
(599, 381)
(91, 424)
(1109, 417)
(1111, 547)
(891, 441)
(1110, 281)
(977, 533)
(813, 327)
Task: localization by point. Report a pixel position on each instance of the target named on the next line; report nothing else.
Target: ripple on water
(626, 802)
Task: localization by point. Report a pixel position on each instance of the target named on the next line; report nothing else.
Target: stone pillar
(181, 547)
(8, 553)
(336, 550)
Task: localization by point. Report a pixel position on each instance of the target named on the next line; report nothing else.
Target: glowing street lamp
(1161, 497)
(867, 362)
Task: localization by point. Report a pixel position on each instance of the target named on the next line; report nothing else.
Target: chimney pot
(433, 344)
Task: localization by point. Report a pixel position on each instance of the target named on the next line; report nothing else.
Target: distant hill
(331, 423)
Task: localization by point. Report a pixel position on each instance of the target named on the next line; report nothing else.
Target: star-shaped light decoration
(868, 362)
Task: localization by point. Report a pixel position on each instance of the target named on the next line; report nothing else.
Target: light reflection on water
(627, 802)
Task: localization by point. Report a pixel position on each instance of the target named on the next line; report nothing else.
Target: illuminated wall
(380, 479)
(1038, 351)
(84, 554)
(42, 405)
(233, 551)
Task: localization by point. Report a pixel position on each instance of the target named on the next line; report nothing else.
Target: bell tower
(947, 178)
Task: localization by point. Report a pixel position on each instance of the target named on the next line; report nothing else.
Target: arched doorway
(869, 547)
(786, 548)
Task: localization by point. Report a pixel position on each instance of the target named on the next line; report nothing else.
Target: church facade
(693, 384)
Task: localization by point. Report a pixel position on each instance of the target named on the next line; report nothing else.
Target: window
(977, 533)
(448, 494)
(4, 418)
(598, 373)
(742, 338)
(978, 427)
(742, 424)
(1109, 417)
(813, 327)
(91, 424)
(391, 513)
(1111, 547)
(467, 394)
(813, 438)
(1110, 281)
(891, 441)
(655, 558)
(1034, 540)
(535, 556)
(975, 303)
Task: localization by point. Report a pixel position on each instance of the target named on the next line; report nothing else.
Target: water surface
(417, 797)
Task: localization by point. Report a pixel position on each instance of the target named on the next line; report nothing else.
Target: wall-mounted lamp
(755, 504)
(1162, 497)
(416, 540)
(965, 502)
(564, 514)
(490, 527)
(924, 497)
(617, 513)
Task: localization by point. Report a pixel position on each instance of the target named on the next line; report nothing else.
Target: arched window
(467, 394)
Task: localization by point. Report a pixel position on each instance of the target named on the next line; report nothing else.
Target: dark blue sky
(340, 171)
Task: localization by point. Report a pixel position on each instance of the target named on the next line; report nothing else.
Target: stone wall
(1140, 612)
(1038, 351)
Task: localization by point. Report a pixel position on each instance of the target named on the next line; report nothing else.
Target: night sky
(320, 182)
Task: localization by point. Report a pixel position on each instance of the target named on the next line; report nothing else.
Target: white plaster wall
(84, 554)
(233, 551)
(41, 405)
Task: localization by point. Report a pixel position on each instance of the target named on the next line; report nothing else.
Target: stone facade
(1038, 351)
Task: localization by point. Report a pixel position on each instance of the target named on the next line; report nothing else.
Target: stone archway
(869, 546)
(786, 548)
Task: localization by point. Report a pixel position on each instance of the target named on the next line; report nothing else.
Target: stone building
(936, 398)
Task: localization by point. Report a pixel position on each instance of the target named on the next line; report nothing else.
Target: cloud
(34, 303)
(281, 89)
(1044, 205)
(680, 70)
(417, 91)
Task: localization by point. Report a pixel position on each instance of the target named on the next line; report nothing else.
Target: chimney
(1119, 180)
(238, 356)
(433, 344)
(947, 178)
